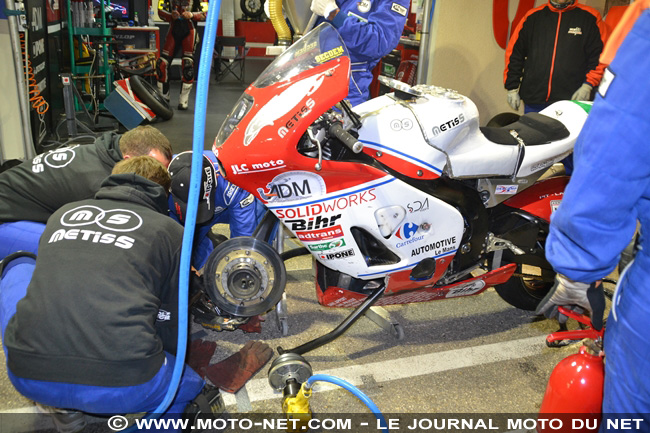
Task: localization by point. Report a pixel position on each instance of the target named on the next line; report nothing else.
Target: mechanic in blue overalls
(608, 193)
(370, 29)
(220, 202)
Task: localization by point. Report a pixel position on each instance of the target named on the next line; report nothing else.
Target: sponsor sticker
(418, 206)
(403, 124)
(396, 7)
(247, 201)
(293, 185)
(336, 243)
(466, 289)
(313, 223)
(338, 255)
(257, 167)
(605, 82)
(321, 235)
(555, 204)
(448, 125)
(329, 55)
(436, 248)
(364, 6)
(506, 189)
(327, 206)
(406, 231)
(575, 31)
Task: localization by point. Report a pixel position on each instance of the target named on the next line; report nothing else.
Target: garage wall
(464, 55)
(11, 134)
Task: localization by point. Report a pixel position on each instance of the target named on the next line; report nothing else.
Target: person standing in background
(181, 16)
(370, 29)
(553, 55)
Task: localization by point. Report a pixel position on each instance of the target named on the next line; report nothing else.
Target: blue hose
(355, 391)
(198, 138)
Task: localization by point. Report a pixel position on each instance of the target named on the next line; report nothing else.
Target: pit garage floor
(459, 357)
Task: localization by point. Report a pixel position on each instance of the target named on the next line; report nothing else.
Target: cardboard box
(127, 108)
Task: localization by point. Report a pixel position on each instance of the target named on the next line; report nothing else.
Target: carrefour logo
(406, 231)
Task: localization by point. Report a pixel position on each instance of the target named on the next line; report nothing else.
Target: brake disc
(245, 277)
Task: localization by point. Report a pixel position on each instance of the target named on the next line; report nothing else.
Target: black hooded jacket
(34, 189)
(103, 300)
(552, 52)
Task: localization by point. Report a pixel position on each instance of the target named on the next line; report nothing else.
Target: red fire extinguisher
(574, 394)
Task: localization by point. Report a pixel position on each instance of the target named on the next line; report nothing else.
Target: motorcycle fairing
(541, 157)
(442, 134)
(406, 221)
(279, 116)
(392, 135)
(542, 198)
(332, 296)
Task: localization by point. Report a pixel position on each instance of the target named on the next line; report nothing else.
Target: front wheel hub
(245, 276)
(244, 281)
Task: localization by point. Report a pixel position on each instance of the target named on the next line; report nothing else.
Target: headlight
(242, 107)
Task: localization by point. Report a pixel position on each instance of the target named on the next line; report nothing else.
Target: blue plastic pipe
(355, 391)
(198, 137)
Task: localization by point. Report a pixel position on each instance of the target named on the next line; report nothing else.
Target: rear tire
(151, 96)
(524, 293)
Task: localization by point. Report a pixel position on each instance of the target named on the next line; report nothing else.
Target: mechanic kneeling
(91, 325)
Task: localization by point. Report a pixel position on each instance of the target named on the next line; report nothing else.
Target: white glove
(513, 99)
(568, 293)
(323, 7)
(583, 93)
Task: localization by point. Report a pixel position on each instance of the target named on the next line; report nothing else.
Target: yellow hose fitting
(279, 24)
(297, 410)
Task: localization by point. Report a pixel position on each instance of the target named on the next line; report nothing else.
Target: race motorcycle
(402, 199)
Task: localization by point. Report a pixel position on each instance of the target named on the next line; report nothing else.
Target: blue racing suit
(371, 30)
(608, 192)
(233, 206)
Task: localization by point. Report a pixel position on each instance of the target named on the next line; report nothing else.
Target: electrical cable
(354, 391)
(37, 100)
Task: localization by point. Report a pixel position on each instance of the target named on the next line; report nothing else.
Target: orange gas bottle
(574, 393)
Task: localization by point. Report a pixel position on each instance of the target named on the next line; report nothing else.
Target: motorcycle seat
(532, 128)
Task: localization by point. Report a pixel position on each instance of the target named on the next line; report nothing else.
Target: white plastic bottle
(151, 19)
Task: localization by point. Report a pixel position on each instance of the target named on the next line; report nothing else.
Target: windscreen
(316, 47)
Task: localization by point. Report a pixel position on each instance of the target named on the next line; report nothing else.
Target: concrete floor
(462, 357)
(459, 358)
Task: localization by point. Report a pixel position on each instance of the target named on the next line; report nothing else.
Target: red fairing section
(337, 297)
(283, 133)
(541, 199)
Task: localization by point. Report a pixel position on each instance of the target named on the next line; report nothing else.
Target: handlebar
(336, 130)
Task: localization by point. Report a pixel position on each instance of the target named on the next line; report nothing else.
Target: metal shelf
(104, 36)
(90, 31)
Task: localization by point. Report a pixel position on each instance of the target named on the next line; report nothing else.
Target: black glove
(569, 294)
